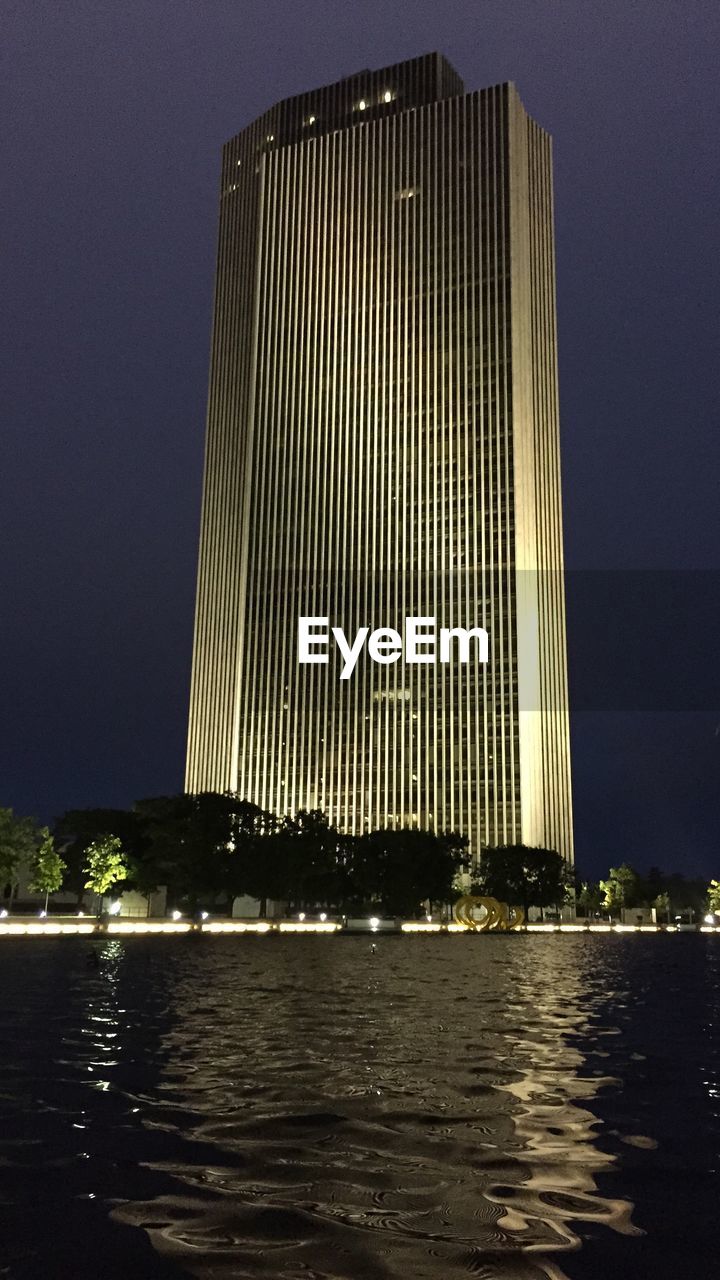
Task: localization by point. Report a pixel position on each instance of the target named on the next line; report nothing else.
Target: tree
(589, 898)
(523, 876)
(299, 861)
(686, 895)
(620, 889)
(399, 870)
(250, 827)
(105, 864)
(651, 886)
(185, 838)
(77, 829)
(306, 863)
(18, 837)
(713, 897)
(200, 846)
(613, 898)
(662, 906)
(47, 867)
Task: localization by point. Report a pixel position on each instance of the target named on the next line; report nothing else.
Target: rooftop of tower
(366, 95)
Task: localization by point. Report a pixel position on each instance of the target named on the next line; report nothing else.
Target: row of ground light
(46, 928)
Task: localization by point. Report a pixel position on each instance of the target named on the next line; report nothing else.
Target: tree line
(669, 894)
(212, 848)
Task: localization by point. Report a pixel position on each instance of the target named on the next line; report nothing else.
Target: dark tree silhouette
(524, 876)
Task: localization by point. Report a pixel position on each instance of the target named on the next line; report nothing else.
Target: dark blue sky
(114, 119)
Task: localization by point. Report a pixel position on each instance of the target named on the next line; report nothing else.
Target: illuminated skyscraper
(382, 443)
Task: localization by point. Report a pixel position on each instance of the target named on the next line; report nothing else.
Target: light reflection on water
(304, 1107)
(556, 1134)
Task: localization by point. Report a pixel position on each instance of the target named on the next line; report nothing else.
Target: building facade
(383, 443)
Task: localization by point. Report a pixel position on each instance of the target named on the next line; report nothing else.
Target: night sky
(114, 114)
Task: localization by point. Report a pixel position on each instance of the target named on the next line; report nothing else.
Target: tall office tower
(382, 443)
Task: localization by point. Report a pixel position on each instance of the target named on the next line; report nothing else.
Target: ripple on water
(296, 1108)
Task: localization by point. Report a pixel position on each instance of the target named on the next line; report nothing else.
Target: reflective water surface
(302, 1107)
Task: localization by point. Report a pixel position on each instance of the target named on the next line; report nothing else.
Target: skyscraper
(382, 443)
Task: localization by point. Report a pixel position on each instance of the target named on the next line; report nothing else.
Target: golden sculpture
(498, 917)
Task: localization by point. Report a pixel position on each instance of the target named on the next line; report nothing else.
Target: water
(518, 1106)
